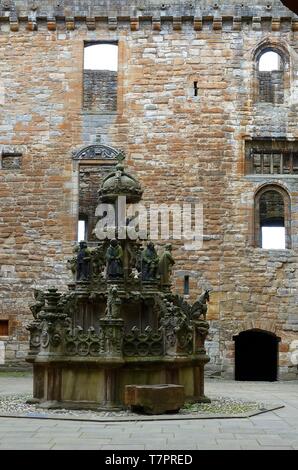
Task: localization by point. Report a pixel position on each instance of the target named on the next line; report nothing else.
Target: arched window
(100, 77)
(270, 70)
(272, 218)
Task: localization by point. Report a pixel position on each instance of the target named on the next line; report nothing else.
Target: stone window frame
(6, 321)
(281, 149)
(287, 212)
(272, 45)
(120, 77)
(12, 154)
(90, 155)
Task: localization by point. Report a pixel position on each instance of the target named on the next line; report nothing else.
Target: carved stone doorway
(256, 355)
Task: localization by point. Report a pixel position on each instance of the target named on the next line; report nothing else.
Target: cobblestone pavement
(273, 430)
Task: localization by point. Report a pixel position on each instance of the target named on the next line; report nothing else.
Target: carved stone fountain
(118, 324)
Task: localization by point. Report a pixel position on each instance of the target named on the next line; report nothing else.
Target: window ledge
(268, 176)
(275, 252)
(98, 113)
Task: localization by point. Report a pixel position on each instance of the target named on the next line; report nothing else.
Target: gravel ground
(16, 405)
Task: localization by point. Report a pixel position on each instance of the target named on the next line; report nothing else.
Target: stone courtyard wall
(182, 148)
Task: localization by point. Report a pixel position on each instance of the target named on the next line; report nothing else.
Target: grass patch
(221, 406)
(15, 373)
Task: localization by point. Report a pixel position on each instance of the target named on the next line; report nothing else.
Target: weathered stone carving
(199, 308)
(149, 262)
(148, 343)
(177, 327)
(98, 261)
(39, 304)
(120, 183)
(109, 331)
(93, 152)
(114, 260)
(113, 303)
(165, 266)
(83, 262)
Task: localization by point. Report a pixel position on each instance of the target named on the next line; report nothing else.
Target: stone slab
(154, 399)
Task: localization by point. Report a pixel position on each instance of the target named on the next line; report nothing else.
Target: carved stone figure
(39, 304)
(199, 308)
(165, 265)
(149, 262)
(83, 262)
(114, 258)
(72, 262)
(113, 303)
(97, 260)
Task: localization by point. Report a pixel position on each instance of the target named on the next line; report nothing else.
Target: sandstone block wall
(182, 147)
(100, 91)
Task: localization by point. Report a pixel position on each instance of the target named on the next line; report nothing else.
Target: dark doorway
(256, 355)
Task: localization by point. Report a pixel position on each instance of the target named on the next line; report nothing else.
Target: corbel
(294, 24)
(52, 24)
(198, 23)
(14, 23)
(275, 24)
(156, 24)
(134, 24)
(217, 24)
(177, 23)
(90, 22)
(237, 23)
(32, 25)
(256, 23)
(70, 23)
(112, 23)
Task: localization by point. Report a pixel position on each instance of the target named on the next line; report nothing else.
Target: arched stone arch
(265, 324)
(256, 355)
(271, 86)
(96, 152)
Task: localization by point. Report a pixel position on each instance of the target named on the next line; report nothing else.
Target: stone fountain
(118, 324)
